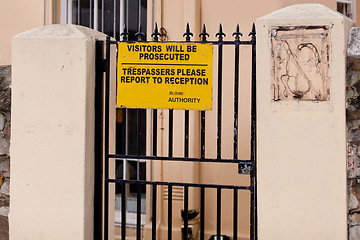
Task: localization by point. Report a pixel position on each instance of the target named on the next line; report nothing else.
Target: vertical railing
(140, 37)
(203, 36)
(243, 164)
(220, 35)
(153, 227)
(253, 202)
(237, 35)
(106, 139)
(99, 96)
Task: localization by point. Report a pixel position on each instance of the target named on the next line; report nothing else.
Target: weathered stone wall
(353, 124)
(5, 104)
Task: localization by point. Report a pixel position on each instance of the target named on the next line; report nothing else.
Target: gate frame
(102, 180)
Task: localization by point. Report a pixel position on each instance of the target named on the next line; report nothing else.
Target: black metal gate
(104, 156)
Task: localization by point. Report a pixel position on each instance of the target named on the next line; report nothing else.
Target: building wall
(17, 16)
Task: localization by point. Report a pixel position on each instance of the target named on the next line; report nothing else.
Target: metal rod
(139, 12)
(138, 129)
(127, 13)
(154, 151)
(171, 123)
(236, 101)
(248, 162)
(235, 221)
(253, 200)
(219, 102)
(125, 147)
(180, 184)
(124, 130)
(106, 141)
(186, 137)
(186, 144)
(218, 216)
(224, 43)
(169, 212)
(153, 230)
(122, 17)
(123, 211)
(91, 14)
(186, 211)
(114, 20)
(202, 213)
(98, 178)
(138, 212)
(202, 143)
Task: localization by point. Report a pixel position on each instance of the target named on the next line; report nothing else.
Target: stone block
(353, 202)
(353, 50)
(354, 233)
(301, 124)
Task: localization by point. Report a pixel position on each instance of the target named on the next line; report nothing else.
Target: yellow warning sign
(165, 75)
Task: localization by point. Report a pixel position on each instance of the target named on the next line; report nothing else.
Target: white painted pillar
(301, 128)
(52, 137)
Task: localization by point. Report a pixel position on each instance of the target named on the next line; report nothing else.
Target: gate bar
(106, 141)
(153, 229)
(236, 91)
(247, 162)
(171, 124)
(218, 216)
(186, 144)
(235, 214)
(253, 201)
(220, 34)
(98, 186)
(169, 212)
(187, 35)
(138, 212)
(202, 213)
(123, 211)
(250, 188)
(203, 36)
(186, 210)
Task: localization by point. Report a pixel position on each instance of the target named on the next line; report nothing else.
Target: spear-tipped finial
(156, 33)
(140, 35)
(253, 33)
(237, 33)
(220, 34)
(203, 34)
(187, 33)
(125, 34)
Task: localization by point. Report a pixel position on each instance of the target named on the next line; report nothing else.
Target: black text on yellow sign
(165, 75)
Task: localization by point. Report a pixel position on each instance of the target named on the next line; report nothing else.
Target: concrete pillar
(301, 131)
(52, 135)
